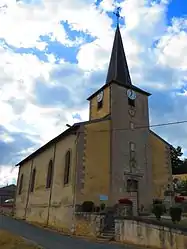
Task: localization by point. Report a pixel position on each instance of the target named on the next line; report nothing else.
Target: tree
(182, 188)
(176, 162)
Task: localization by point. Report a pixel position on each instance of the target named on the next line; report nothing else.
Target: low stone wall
(88, 224)
(149, 235)
(82, 224)
(6, 209)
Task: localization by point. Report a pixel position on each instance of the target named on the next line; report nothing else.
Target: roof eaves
(120, 84)
(160, 138)
(45, 146)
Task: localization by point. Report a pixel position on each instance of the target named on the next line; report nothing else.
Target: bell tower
(127, 105)
(131, 174)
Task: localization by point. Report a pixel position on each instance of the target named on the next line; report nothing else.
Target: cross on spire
(118, 68)
(117, 14)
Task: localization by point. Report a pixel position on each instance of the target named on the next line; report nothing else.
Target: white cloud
(8, 175)
(173, 45)
(31, 21)
(160, 68)
(107, 5)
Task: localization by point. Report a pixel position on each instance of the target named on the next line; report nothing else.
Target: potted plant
(102, 206)
(158, 210)
(176, 213)
(88, 206)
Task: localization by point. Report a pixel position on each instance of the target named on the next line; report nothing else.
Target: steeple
(118, 68)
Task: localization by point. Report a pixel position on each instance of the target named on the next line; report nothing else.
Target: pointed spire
(118, 68)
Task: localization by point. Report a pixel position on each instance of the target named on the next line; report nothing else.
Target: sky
(54, 54)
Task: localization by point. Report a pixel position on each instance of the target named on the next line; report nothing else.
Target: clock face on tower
(100, 96)
(131, 94)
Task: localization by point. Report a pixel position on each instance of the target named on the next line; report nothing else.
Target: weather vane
(117, 14)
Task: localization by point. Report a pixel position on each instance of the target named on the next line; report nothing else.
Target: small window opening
(131, 102)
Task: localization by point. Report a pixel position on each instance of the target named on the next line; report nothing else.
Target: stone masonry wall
(149, 235)
(88, 224)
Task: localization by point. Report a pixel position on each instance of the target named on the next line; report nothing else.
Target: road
(52, 240)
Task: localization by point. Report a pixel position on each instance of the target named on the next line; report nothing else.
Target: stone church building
(113, 155)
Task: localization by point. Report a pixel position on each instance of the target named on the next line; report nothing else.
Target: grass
(10, 241)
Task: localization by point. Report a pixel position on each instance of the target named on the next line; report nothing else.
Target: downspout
(27, 202)
(50, 194)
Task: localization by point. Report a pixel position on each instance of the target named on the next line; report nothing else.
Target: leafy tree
(176, 162)
(182, 188)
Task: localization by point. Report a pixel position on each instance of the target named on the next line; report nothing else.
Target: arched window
(33, 180)
(49, 174)
(67, 167)
(20, 185)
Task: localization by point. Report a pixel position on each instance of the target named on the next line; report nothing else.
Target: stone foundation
(88, 224)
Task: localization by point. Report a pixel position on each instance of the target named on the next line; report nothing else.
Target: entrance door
(134, 198)
(109, 222)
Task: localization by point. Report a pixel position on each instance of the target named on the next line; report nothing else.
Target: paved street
(52, 240)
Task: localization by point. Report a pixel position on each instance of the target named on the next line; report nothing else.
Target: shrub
(102, 206)
(175, 213)
(158, 210)
(125, 201)
(87, 206)
(97, 209)
(157, 201)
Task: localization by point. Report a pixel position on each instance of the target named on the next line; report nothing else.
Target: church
(113, 155)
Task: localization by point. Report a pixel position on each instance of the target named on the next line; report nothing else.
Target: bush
(157, 201)
(102, 206)
(97, 209)
(158, 210)
(87, 206)
(125, 201)
(175, 213)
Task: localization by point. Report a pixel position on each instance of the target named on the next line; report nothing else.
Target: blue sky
(54, 55)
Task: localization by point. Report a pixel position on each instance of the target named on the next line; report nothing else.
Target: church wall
(38, 201)
(105, 110)
(122, 135)
(49, 206)
(60, 213)
(96, 162)
(21, 200)
(161, 166)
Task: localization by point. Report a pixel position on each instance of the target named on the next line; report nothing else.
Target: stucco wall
(161, 166)
(96, 162)
(122, 135)
(149, 235)
(21, 200)
(49, 206)
(105, 110)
